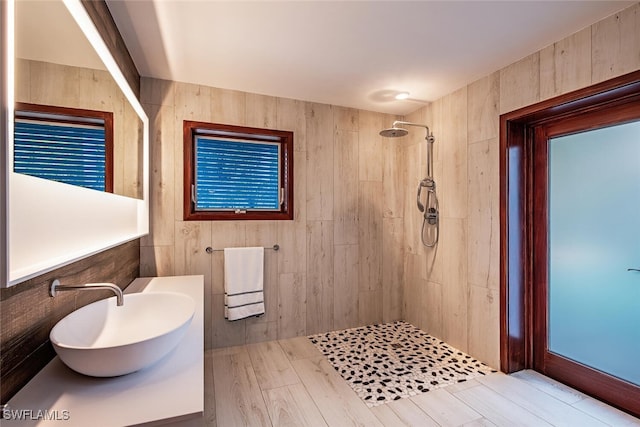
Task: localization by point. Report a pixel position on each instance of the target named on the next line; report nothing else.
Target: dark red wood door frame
(523, 236)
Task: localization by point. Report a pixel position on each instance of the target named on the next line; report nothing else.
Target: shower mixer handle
(431, 216)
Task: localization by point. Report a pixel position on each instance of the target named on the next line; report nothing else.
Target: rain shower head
(396, 131)
(393, 132)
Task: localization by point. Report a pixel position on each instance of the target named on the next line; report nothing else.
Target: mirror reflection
(73, 123)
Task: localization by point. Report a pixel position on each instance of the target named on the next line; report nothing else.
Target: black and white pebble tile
(391, 361)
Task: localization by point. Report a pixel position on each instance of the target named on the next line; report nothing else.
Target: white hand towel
(243, 282)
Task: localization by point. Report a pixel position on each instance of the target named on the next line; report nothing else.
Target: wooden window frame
(75, 117)
(521, 163)
(191, 129)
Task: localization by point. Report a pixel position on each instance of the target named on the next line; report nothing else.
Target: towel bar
(209, 249)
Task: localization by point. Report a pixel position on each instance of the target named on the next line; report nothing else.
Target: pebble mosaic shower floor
(391, 361)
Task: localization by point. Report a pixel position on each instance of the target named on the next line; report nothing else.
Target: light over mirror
(59, 72)
(73, 124)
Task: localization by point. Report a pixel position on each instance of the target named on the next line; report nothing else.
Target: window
(64, 144)
(235, 173)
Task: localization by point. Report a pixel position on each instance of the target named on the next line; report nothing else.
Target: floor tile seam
(320, 358)
(255, 376)
(293, 357)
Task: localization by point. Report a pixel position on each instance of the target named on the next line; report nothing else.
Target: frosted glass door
(594, 238)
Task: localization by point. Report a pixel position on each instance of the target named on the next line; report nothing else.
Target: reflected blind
(233, 174)
(69, 153)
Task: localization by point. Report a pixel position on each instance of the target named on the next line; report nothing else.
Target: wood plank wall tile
(392, 179)
(131, 128)
(454, 284)
(453, 184)
(259, 331)
(434, 313)
(412, 217)
(157, 92)
(319, 119)
(616, 44)
(483, 108)
(162, 193)
(228, 107)
(345, 282)
(484, 327)
(260, 111)
(193, 102)
(292, 256)
(320, 276)
(370, 146)
(345, 190)
(191, 239)
(98, 90)
(370, 307)
(566, 65)
(370, 235)
(291, 116)
(392, 272)
(157, 261)
(414, 302)
(484, 216)
(54, 83)
(292, 305)
(346, 119)
(520, 83)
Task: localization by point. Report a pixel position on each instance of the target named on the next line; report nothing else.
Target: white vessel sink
(104, 340)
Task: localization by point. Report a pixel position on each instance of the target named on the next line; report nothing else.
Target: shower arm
(430, 139)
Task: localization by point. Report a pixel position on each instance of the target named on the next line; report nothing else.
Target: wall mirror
(58, 59)
(60, 85)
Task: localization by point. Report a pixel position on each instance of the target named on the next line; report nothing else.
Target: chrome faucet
(57, 287)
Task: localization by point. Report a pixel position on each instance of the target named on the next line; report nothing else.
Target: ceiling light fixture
(402, 95)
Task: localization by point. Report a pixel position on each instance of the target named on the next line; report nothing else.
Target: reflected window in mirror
(67, 145)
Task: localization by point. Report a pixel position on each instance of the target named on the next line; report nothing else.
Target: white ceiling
(350, 53)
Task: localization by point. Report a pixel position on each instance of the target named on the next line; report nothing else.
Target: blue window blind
(236, 174)
(63, 152)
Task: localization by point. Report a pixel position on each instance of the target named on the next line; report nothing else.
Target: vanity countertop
(170, 390)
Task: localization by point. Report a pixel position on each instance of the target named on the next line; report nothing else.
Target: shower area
(451, 223)
(427, 206)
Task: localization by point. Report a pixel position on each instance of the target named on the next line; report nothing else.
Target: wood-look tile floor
(289, 383)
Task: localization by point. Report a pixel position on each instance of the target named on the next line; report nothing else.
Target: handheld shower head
(393, 132)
